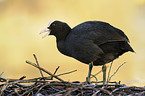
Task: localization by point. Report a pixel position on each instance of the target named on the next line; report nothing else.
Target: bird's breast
(62, 48)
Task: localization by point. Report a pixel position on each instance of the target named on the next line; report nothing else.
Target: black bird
(92, 42)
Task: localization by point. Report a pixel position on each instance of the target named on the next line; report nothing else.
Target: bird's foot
(104, 83)
(88, 81)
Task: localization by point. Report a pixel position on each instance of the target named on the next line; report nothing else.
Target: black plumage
(91, 41)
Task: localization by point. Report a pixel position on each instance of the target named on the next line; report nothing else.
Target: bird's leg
(104, 73)
(89, 73)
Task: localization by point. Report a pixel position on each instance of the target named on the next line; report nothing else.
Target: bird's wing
(83, 50)
(99, 32)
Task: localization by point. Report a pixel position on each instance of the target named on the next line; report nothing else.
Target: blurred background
(22, 20)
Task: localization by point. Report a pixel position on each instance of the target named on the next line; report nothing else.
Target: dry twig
(38, 65)
(116, 71)
(33, 64)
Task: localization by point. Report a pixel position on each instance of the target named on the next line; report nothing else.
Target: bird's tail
(127, 47)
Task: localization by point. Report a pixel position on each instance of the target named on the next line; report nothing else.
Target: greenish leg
(104, 73)
(89, 73)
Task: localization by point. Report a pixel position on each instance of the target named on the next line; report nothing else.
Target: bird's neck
(61, 44)
(62, 35)
(60, 38)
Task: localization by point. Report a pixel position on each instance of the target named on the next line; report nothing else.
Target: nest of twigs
(44, 86)
(55, 88)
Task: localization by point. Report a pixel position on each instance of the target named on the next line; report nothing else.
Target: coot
(92, 42)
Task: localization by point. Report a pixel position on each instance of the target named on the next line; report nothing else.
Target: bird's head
(56, 28)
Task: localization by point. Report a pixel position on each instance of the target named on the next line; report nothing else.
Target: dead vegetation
(44, 86)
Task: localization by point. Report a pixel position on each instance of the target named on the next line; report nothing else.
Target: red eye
(53, 24)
